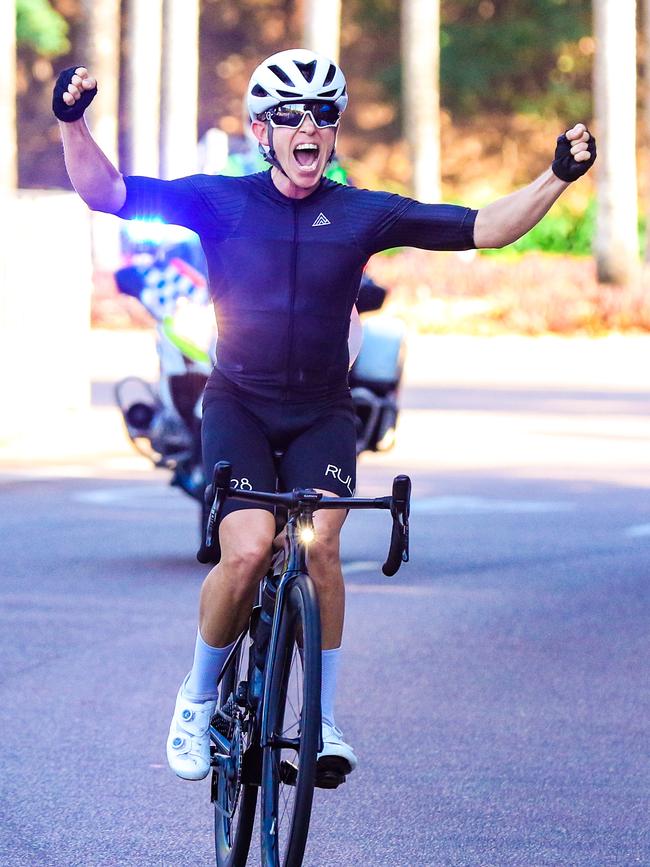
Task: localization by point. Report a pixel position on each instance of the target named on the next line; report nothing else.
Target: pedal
(328, 780)
(288, 773)
(329, 776)
(222, 719)
(331, 772)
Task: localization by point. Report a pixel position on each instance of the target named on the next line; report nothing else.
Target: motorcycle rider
(286, 249)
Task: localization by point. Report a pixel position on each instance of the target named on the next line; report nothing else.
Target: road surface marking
(63, 471)
(146, 496)
(360, 566)
(638, 530)
(391, 589)
(75, 471)
(465, 505)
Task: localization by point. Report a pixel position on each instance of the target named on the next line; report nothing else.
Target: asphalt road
(496, 690)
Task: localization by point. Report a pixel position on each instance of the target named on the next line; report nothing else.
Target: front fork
(295, 564)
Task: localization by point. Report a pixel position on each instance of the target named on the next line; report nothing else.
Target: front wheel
(234, 798)
(294, 719)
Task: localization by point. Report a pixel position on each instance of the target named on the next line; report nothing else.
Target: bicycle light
(307, 534)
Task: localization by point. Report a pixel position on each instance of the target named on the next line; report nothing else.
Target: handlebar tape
(220, 481)
(210, 555)
(394, 559)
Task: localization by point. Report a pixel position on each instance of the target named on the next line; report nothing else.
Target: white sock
(330, 660)
(201, 684)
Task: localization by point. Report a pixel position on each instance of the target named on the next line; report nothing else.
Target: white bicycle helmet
(295, 76)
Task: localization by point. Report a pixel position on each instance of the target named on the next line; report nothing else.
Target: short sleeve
(429, 227)
(178, 201)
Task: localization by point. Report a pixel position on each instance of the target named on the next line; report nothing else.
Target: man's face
(302, 152)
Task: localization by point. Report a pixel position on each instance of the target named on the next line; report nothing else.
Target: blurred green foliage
(41, 27)
(521, 55)
(562, 231)
(530, 56)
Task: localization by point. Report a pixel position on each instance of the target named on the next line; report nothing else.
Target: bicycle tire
(294, 711)
(232, 836)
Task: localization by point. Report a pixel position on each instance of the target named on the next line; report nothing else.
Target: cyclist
(285, 251)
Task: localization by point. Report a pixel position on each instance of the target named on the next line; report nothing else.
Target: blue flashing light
(155, 231)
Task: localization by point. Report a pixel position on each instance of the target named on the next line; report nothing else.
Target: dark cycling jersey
(284, 273)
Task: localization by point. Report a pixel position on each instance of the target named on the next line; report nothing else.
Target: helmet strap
(270, 155)
(332, 156)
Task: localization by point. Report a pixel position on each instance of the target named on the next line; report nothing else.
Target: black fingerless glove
(64, 112)
(565, 166)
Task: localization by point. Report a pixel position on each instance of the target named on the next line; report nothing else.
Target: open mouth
(306, 155)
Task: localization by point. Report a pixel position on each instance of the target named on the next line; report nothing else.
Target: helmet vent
(329, 78)
(282, 75)
(326, 93)
(258, 90)
(307, 70)
(288, 94)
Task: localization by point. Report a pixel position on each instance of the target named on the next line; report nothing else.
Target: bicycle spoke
(284, 811)
(296, 714)
(234, 803)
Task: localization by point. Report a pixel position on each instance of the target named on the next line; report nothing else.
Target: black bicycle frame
(301, 505)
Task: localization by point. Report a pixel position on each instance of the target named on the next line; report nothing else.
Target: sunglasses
(323, 114)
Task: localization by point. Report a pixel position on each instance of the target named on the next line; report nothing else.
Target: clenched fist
(575, 153)
(74, 90)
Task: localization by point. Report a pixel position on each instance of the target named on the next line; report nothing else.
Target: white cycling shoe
(336, 759)
(188, 743)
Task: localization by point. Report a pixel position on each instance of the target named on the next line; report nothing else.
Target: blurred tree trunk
(8, 161)
(420, 37)
(180, 88)
(101, 39)
(144, 49)
(101, 54)
(616, 244)
(646, 40)
(322, 27)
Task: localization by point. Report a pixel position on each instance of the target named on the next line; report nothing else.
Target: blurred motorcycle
(376, 374)
(164, 420)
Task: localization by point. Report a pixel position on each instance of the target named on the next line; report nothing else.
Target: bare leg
(228, 592)
(325, 570)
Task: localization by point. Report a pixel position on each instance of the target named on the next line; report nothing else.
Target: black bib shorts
(317, 440)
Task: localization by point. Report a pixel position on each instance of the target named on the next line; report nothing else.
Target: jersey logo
(321, 220)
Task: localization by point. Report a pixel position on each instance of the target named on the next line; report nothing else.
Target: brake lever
(399, 509)
(220, 486)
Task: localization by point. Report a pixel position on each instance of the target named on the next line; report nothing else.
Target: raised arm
(91, 173)
(507, 219)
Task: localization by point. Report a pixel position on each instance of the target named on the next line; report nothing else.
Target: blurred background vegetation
(513, 75)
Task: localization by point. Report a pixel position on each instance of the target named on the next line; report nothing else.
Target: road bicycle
(266, 732)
